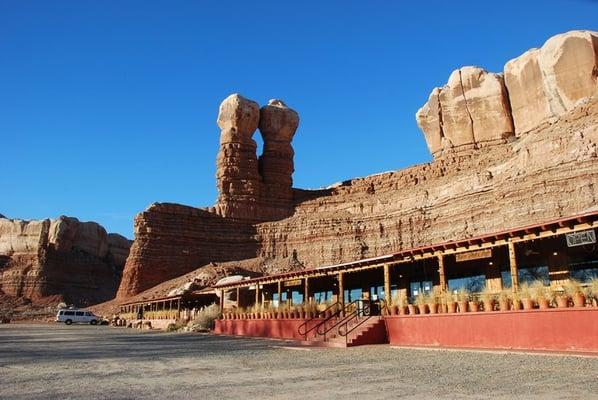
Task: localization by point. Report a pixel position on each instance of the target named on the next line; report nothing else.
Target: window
(472, 284)
(531, 274)
(322, 297)
(420, 287)
(79, 313)
(69, 313)
(376, 292)
(88, 314)
(296, 297)
(352, 295)
(507, 281)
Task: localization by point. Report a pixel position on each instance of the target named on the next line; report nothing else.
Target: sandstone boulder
(472, 109)
(547, 82)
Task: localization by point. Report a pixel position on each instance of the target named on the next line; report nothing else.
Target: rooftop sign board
(581, 238)
(473, 255)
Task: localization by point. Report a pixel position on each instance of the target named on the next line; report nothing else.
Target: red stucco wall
(271, 328)
(571, 329)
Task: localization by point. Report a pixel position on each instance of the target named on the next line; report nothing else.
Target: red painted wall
(271, 328)
(552, 330)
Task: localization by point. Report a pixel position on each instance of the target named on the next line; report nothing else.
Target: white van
(73, 316)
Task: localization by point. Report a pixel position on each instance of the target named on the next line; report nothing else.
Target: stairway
(371, 331)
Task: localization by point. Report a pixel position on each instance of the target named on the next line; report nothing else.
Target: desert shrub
(206, 316)
(173, 327)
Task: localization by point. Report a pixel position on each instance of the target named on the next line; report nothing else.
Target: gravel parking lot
(84, 362)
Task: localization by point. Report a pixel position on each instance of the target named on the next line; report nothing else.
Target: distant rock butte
(476, 108)
(504, 156)
(61, 258)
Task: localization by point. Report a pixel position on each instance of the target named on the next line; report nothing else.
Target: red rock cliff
(494, 168)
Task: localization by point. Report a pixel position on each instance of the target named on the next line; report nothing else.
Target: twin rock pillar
(249, 188)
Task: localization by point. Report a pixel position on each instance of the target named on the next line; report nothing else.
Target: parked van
(71, 316)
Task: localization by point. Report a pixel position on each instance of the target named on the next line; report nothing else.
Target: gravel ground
(84, 362)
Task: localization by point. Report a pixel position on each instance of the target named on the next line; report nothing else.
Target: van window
(60, 312)
(79, 313)
(69, 313)
(88, 314)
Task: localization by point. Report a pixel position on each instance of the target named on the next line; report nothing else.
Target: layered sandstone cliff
(65, 259)
(491, 172)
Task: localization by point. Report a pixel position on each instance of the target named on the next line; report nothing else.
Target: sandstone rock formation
(547, 82)
(62, 258)
(248, 189)
(476, 108)
(514, 180)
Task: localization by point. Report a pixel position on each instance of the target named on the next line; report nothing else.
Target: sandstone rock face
(483, 179)
(250, 190)
(477, 108)
(76, 261)
(545, 83)
(471, 110)
(171, 240)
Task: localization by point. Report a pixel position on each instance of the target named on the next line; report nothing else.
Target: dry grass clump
(206, 316)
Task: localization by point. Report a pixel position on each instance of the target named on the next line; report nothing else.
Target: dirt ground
(84, 362)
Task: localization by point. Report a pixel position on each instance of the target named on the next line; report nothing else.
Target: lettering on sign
(473, 255)
(294, 282)
(581, 238)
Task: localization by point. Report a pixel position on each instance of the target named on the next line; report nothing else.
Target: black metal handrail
(355, 316)
(317, 317)
(346, 315)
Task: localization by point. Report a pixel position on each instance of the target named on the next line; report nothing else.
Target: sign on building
(473, 255)
(294, 282)
(581, 238)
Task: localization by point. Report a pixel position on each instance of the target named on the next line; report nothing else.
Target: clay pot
(474, 306)
(308, 315)
(433, 308)
(516, 305)
(579, 300)
(562, 302)
(503, 305)
(528, 304)
(412, 309)
(422, 308)
(403, 310)
(462, 306)
(451, 307)
(489, 305)
(394, 310)
(543, 304)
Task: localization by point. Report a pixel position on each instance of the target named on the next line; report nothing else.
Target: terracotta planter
(403, 310)
(503, 305)
(474, 306)
(433, 308)
(394, 310)
(308, 315)
(489, 305)
(451, 308)
(543, 304)
(579, 300)
(562, 302)
(462, 306)
(528, 304)
(412, 309)
(516, 305)
(422, 308)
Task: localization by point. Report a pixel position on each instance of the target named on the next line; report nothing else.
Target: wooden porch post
(221, 301)
(387, 284)
(306, 298)
(442, 274)
(279, 293)
(341, 292)
(238, 297)
(257, 294)
(513, 264)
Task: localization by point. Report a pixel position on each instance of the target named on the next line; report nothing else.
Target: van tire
(68, 322)
(93, 322)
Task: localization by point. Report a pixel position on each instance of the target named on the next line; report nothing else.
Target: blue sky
(106, 107)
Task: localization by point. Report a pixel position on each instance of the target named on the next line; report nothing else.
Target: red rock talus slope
(62, 259)
(494, 168)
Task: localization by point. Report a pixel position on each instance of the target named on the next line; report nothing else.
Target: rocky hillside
(509, 150)
(49, 261)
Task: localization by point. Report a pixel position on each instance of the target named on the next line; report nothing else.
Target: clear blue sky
(108, 106)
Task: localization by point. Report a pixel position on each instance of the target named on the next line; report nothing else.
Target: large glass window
(352, 295)
(296, 297)
(322, 296)
(507, 281)
(472, 284)
(583, 262)
(376, 292)
(532, 274)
